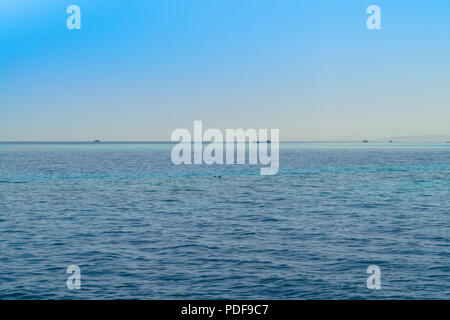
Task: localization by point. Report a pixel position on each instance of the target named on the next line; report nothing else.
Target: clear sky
(137, 69)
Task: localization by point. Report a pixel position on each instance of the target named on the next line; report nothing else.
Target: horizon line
(175, 142)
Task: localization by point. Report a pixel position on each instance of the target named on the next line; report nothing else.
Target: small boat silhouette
(97, 141)
(365, 141)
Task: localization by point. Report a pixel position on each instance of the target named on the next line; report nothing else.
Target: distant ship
(365, 141)
(97, 141)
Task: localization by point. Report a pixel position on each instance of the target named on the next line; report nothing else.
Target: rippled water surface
(140, 227)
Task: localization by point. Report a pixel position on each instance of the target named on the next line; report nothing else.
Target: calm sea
(140, 227)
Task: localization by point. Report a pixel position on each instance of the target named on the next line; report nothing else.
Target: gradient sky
(137, 69)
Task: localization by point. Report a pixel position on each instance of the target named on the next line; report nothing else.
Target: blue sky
(137, 70)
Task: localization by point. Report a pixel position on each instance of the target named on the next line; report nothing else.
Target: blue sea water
(140, 227)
